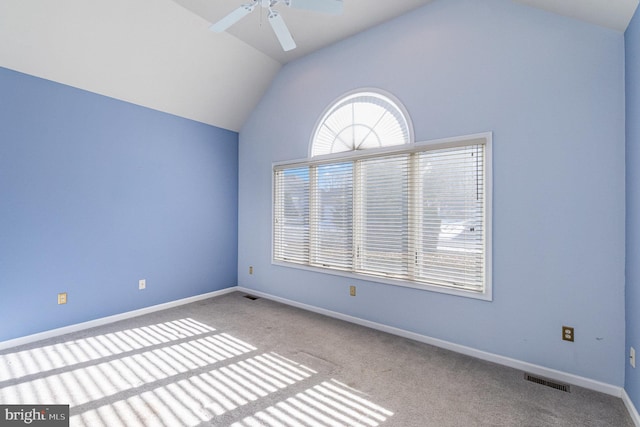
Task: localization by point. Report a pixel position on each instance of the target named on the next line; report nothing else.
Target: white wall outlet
(142, 284)
(632, 357)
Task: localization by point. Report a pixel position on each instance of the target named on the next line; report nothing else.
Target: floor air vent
(548, 383)
(251, 297)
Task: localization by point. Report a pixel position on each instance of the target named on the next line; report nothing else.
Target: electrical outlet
(250, 269)
(62, 298)
(632, 357)
(567, 333)
(142, 284)
(352, 291)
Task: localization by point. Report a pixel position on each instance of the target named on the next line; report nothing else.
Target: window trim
(485, 138)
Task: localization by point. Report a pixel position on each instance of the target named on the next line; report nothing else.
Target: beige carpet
(232, 361)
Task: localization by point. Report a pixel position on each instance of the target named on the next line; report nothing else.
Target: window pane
(451, 237)
(332, 228)
(291, 228)
(382, 216)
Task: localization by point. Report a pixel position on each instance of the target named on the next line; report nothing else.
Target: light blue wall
(552, 91)
(632, 44)
(96, 194)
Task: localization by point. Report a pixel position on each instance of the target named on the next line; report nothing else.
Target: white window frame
(485, 139)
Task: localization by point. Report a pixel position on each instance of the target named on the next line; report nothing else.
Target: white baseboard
(469, 351)
(109, 319)
(633, 412)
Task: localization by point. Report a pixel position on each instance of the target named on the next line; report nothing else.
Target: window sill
(484, 296)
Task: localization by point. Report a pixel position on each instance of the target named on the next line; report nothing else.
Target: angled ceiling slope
(160, 53)
(311, 30)
(152, 53)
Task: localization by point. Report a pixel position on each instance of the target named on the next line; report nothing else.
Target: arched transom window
(360, 121)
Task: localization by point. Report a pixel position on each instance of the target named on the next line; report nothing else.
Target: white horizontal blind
(450, 238)
(291, 215)
(332, 216)
(383, 216)
(415, 214)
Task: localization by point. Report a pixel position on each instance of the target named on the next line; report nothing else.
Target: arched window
(359, 121)
(370, 203)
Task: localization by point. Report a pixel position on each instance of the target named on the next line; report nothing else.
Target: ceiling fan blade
(233, 17)
(281, 30)
(333, 7)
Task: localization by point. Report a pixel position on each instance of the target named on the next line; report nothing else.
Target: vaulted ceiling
(160, 53)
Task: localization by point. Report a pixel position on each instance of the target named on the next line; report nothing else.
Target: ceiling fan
(275, 19)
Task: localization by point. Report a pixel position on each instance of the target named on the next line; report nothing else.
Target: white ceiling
(313, 31)
(310, 30)
(160, 53)
(149, 52)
